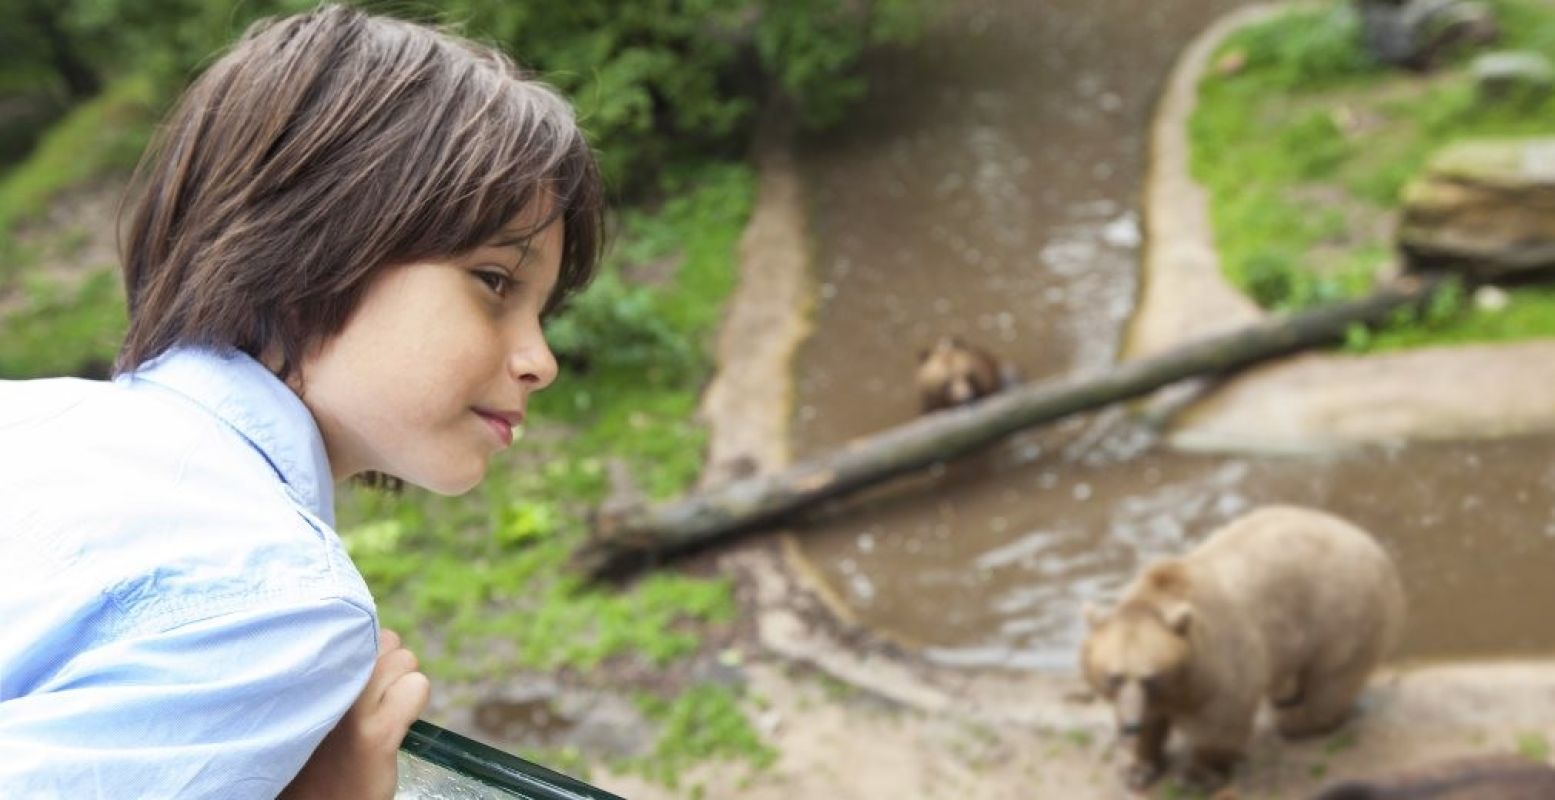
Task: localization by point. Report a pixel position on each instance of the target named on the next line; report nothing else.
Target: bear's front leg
(1149, 759)
(1210, 767)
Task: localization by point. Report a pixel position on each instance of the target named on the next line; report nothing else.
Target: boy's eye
(498, 282)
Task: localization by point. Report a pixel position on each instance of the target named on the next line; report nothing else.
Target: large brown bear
(953, 373)
(1286, 603)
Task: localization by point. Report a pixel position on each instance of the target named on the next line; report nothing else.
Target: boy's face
(437, 363)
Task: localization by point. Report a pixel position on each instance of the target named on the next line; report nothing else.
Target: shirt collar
(244, 394)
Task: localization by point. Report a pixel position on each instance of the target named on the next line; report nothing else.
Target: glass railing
(438, 764)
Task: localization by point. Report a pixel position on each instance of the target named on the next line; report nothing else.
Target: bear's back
(1305, 572)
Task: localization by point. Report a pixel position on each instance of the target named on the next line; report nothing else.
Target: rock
(1484, 208)
(1491, 298)
(1417, 34)
(1512, 74)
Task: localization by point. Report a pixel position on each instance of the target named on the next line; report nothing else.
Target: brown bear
(1472, 778)
(953, 373)
(1286, 603)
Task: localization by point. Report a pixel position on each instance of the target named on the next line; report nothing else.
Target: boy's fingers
(390, 667)
(387, 640)
(406, 698)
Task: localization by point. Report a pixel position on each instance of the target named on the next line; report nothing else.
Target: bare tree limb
(626, 539)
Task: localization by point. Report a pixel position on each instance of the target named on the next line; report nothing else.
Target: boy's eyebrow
(517, 239)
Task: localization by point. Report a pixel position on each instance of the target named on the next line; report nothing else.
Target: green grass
(703, 724)
(649, 347)
(1533, 746)
(101, 136)
(104, 134)
(1305, 151)
(64, 331)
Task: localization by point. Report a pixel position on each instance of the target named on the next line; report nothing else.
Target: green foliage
(617, 326)
(1533, 746)
(1315, 144)
(495, 570)
(645, 349)
(1305, 49)
(703, 724)
(64, 331)
(167, 40)
(1453, 320)
(654, 81)
(657, 79)
(812, 45)
(1305, 149)
(102, 135)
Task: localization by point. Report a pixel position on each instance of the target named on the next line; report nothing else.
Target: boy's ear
(1095, 615)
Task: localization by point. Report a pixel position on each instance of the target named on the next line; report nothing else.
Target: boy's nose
(534, 365)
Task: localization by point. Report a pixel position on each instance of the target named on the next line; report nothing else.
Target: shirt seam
(178, 615)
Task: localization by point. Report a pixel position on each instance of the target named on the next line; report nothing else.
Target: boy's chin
(451, 482)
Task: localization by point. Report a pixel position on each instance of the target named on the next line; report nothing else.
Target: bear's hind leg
(1326, 702)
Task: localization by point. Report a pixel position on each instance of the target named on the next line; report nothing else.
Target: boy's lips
(502, 423)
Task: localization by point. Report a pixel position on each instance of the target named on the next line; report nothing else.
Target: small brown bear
(1472, 778)
(1286, 603)
(953, 373)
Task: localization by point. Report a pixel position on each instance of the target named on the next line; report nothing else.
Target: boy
(345, 237)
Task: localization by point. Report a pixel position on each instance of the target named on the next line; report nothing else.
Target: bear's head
(1137, 656)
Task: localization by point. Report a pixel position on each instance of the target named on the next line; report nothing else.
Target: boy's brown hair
(327, 146)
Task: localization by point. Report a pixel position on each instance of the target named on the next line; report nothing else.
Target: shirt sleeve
(226, 707)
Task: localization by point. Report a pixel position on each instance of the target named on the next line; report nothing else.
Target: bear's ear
(1095, 615)
(1178, 617)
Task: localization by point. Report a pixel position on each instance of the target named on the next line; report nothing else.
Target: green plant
(1304, 151)
(1533, 746)
(102, 135)
(702, 724)
(616, 326)
(658, 81)
(64, 331)
(1306, 48)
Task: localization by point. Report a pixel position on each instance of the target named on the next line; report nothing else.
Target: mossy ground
(1305, 147)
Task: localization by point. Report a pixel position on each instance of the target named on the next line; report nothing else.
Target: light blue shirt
(177, 616)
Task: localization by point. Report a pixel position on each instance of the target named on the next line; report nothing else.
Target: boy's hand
(356, 760)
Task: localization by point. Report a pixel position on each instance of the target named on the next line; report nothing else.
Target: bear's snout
(1130, 706)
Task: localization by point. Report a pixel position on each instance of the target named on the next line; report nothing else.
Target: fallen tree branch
(626, 539)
